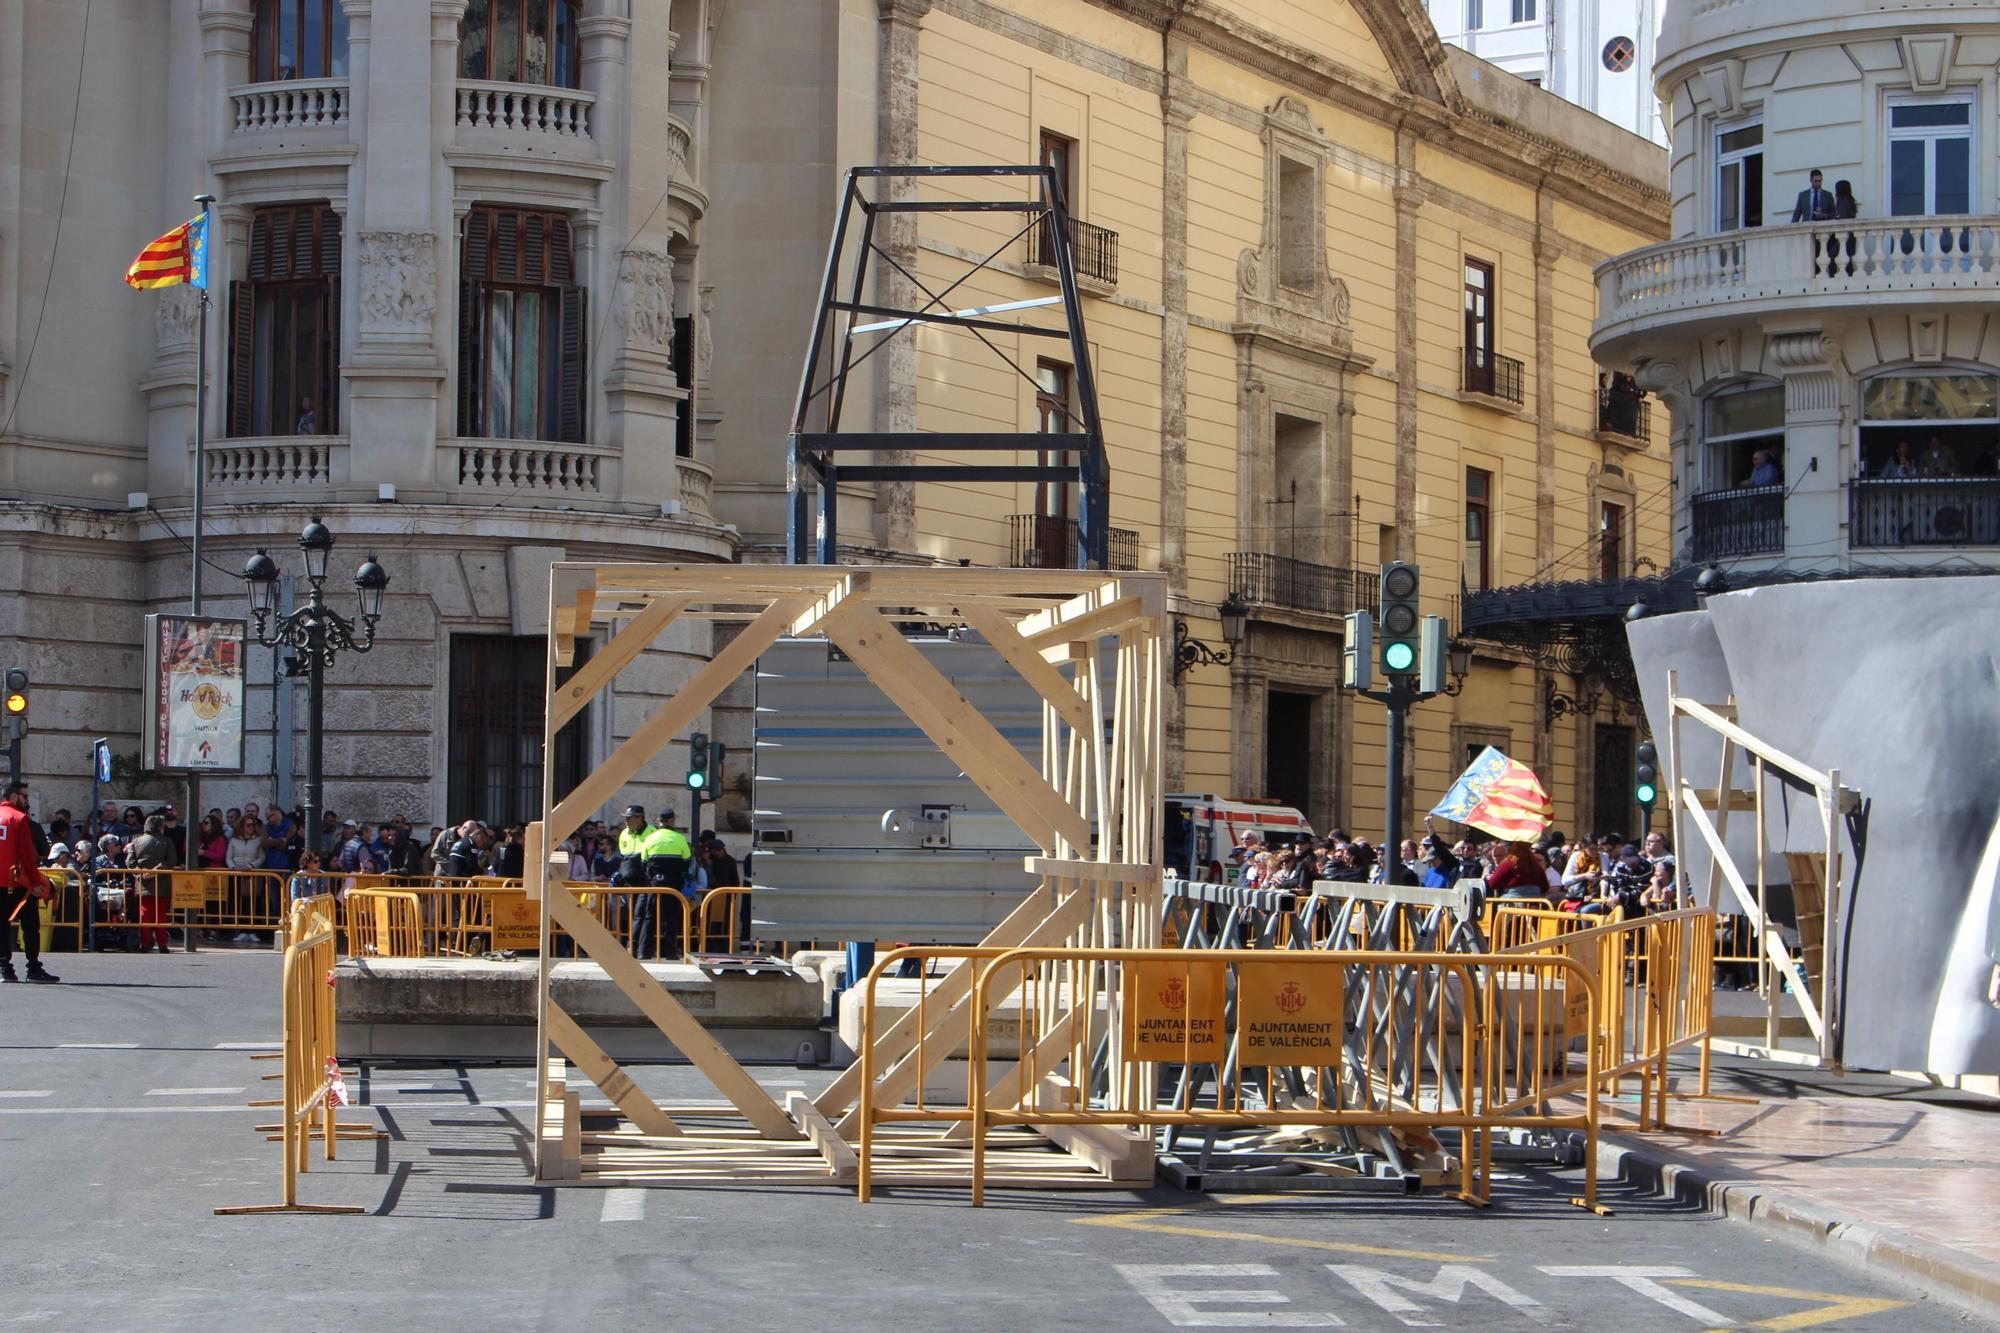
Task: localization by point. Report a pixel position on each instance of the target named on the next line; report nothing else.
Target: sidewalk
(1880, 1171)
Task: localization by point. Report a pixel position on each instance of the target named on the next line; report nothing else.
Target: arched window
(519, 41)
(298, 39)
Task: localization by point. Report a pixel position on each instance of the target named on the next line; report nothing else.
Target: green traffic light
(1399, 656)
(697, 780)
(1646, 793)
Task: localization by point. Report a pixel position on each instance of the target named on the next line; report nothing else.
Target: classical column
(1809, 358)
(1408, 201)
(1176, 115)
(896, 233)
(402, 267)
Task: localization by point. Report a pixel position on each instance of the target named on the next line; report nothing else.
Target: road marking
(247, 1045)
(192, 1092)
(44, 1093)
(97, 1045)
(1144, 1220)
(624, 1206)
(1641, 1280)
(1379, 1285)
(1838, 1308)
(1178, 1305)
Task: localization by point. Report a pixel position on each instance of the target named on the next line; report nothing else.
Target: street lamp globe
(1636, 612)
(370, 582)
(1234, 614)
(316, 542)
(260, 571)
(1711, 582)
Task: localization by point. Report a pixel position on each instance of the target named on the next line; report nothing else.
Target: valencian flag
(179, 256)
(1500, 796)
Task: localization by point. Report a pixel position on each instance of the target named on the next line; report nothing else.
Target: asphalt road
(122, 1125)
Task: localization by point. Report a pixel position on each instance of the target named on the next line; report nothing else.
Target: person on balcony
(1764, 470)
(1903, 467)
(308, 420)
(1938, 460)
(1814, 203)
(1845, 206)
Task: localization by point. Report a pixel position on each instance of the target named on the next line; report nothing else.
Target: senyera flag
(179, 256)
(1500, 796)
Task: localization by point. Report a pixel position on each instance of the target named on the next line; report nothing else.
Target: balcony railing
(1621, 412)
(527, 465)
(1494, 375)
(1886, 513)
(1298, 585)
(284, 460)
(527, 109)
(295, 104)
(1912, 257)
(1094, 248)
(1046, 541)
(1749, 520)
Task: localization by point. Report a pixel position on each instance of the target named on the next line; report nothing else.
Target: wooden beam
(840, 1156)
(1115, 872)
(570, 1038)
(675, 1023)
(1107, 619)
(1772, 755)
(1083, 602)
(1051, 684)
(836, 597)
(928, 699)
(639, 634)
(701, 689)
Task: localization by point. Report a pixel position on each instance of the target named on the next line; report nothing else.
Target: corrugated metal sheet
(864, 830)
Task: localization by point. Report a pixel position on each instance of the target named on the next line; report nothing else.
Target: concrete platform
(482, 1010)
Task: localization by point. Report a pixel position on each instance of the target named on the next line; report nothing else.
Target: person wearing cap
(631, 857)
(667, 854)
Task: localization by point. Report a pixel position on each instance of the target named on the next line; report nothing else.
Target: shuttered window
(284, 326)
(520, 328)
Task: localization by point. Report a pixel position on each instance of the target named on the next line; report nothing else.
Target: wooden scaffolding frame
(1092, 645)
(1818, 889)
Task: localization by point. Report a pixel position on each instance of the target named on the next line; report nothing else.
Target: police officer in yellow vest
(667, 854)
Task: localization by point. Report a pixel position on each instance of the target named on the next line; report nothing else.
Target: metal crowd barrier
(218, 900)
(1344, 1047)
(383, 917)
(314, 1085)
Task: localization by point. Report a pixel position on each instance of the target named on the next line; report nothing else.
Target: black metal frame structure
(817, 438)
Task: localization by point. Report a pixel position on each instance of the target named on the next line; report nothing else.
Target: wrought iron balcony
(1094, 248)
(1298, 585)
(1748, 520)
(1886, 513)
(1493, 375)
(1626, 413)
(1047, 541)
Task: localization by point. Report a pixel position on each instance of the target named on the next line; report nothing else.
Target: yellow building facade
(1339, 296)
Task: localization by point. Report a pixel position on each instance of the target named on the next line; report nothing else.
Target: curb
(1963, 1278)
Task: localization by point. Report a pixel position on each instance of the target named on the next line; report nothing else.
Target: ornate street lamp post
(317, 634)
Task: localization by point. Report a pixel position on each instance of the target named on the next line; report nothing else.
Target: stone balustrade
(1917, 260)
(530, 466)
(295, 104)
(276, 462)
(697, 490)
(525, 109)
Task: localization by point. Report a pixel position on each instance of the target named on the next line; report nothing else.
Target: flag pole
(191, 819)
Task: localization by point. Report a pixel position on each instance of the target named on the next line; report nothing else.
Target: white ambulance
(1201, 828)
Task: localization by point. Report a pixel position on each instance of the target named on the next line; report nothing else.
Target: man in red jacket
(22, 886)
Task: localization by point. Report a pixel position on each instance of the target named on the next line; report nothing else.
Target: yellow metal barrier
(312, 1074)
(61, 911)
(383, 923)
(1336, 1017)
(383, 917)
(1656, 998)
(1513, 922)
(233, 900)
(717, 919)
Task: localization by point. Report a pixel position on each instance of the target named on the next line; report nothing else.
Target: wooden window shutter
(534, 252)
(570, 352)
(472, 271)
(260, 245)
(562, 256)
(329, 410)
(242, 347)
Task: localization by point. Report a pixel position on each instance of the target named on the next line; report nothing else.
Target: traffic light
(1399, 619)
(1646, 775)
(1357, 651)
(1434, 636)
(698, 761)
(16, 702)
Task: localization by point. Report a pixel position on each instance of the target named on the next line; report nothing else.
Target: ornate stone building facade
(1338, 287)
(456, 283)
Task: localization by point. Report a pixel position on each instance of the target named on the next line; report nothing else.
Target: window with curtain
(298, 39)
(520, 41)
(284, 326)
(520, 328)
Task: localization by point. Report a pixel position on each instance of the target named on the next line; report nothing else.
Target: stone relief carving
(645, 304)
(398, 280)
(704, 335)
(177, 313)
(1250, 273)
